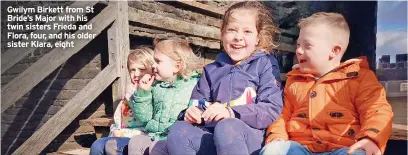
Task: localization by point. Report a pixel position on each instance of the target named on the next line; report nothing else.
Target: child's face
(164, 68)
(240, 35)
(314, 47)
(137, 70)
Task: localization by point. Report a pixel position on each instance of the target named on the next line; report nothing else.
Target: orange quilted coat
(334, 111)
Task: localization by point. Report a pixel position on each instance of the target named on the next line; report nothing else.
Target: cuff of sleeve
(142, 93)
(235, 113)
(232, 114)
(272, 137)
(181, 115)
(373, 135)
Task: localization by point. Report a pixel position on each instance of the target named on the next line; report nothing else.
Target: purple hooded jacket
(251, 88)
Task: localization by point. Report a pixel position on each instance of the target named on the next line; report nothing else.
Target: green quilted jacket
(158, 108)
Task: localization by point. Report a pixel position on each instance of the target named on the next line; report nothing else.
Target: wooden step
(82, 151)
(98, 122)
(101, 125)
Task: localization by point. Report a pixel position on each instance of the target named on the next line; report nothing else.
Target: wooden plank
(283, 76)
(286, 47)
(150, 33)
(103, 122)
(49, 62)
(54, 126)
(117, 91)
(292, 32)
(203, 7)
(119, 50)
(399, 126)
(14, 55)
(167, 23)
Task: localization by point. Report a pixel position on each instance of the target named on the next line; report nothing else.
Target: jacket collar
(178, 81)
(223, 58)
(345, 70)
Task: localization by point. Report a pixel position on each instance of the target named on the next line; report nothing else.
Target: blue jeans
(294, 148)
(231, 136)
(98, 147)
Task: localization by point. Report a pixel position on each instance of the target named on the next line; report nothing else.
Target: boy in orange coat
(330, 107)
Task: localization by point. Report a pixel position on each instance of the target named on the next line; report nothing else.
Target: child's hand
(146, 82)
(216, 112)
(193, 115)
(278, 139)
(367, 145)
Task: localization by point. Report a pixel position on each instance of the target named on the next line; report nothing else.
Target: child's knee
(111, 146)
(98, 147)
(276, 147)
(179, 129)
(139, 140)
(139, 144)
(228, 125)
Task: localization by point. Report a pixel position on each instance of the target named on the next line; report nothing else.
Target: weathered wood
(399, 126)
(145, 32)
(104, 122)
(119, 50)
(55, 125)
(286, 47)
(49, 62)
(203, 7)
(167, 23)
(14, 55)
(283, 76)
(292, 32)
(173, 10)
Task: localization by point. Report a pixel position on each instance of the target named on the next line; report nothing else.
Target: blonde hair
(179, 50)
(264, 23)
(335, 21)
(142, 54)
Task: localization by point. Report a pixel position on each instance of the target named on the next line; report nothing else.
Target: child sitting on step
(157, 104)
(140, 61)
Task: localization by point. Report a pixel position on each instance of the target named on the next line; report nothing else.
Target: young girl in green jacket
(158, 103)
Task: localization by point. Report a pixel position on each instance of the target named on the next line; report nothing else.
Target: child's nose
(299, 51)
(238, 36)
(136, 74)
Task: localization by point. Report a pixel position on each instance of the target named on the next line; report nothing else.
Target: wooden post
(119, 49)
(54, 126)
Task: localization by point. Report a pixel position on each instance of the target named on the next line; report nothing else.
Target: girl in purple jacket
(239, 95)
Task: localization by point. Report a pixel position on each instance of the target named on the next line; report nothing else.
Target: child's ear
(335, 51)
(257, 41)
(177, 66)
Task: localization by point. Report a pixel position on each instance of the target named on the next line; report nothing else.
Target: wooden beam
(150, 33)
(49, 62)
(54, 126)
(118, 44)
(203, 7)
(104, 122)
(292, 32)
(286, 47)
(176, 25)
(14, 55)
(283, 76)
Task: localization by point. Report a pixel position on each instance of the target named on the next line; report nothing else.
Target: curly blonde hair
(264, 23)
(142, 54)
(180, 51)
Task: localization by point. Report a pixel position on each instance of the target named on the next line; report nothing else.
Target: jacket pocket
(340, 117)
